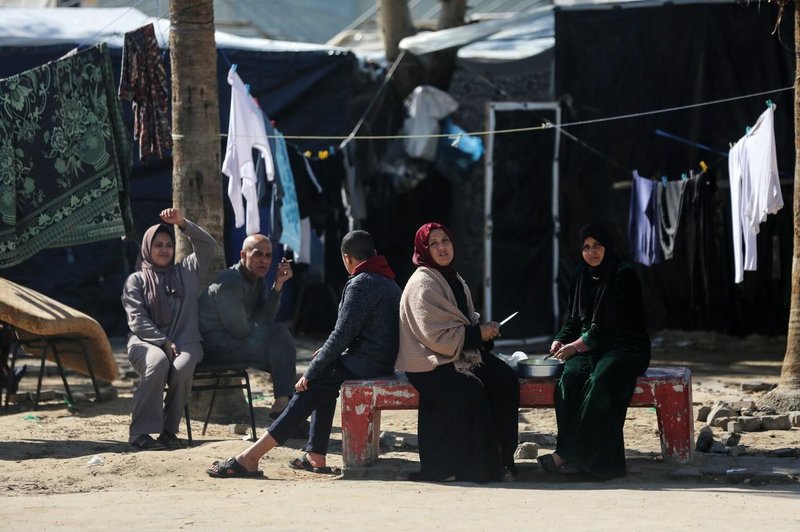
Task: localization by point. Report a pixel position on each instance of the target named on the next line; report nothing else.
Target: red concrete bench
(668, 389)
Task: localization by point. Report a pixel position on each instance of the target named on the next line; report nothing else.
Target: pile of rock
(744, 416)
(736, 417)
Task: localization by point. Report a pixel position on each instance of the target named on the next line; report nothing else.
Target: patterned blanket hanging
(65, 157)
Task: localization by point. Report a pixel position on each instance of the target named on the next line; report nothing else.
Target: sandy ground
(72, 468)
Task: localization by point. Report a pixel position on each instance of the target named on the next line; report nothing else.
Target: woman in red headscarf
(160, 299)
(468, 397)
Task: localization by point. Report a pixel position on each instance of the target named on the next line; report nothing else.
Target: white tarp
(541, 18)
(516, 36)
(87, 26)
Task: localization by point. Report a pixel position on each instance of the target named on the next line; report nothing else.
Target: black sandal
(170, 441)
(144, 442)
(548, 463)
(302, 463)
(230, 468)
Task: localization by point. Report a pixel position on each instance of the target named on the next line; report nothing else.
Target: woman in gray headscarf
(160, 300)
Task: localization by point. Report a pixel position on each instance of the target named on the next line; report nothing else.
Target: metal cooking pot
(537, 366)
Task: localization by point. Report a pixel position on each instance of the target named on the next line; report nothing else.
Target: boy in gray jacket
(363, 345)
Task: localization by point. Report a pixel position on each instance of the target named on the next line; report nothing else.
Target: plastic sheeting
(637, 63)
(304, 88)
(426, 105)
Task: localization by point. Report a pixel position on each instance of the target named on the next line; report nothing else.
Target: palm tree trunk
(786, 396)
(196, 178)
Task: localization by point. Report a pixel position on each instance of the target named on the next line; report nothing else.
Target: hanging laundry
(743, 233)
(310, 197)
(290, 210)
(143, 81)
(643, 224)
(264, 181)
(246, 131)
(425, 106)
(65, 157)
(353, 197)
(762, 165)
(755, 190)
(670, 203)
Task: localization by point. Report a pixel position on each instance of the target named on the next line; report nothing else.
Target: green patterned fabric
(65, 157)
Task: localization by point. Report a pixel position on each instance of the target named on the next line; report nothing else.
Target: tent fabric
(539, 19)
(304, 88)
(722, 51)
(47, 27)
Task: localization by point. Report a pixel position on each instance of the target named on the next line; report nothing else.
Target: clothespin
(747, 130)
(684, 177)
(703, 166)
(332, 150)
(234, 67)
(769, 104)
(456, 140)
(247, 87)
(322, 155)
(307, 154)
(664, 180)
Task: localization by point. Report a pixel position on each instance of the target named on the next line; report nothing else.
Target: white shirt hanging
(245, 131)
(755, 189)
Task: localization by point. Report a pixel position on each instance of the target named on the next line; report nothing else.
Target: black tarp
(305, 92)
(522, 219)
(612, 62)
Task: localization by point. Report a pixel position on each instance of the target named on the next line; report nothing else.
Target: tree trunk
(786, 396)
(196, 177)
(394, 19)
(443, 63)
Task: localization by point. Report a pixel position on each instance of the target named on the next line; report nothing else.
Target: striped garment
(431, 325)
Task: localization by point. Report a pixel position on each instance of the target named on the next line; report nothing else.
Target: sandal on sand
(303, 464)
(145, 442)
(548, 463)
(230, 468)
(170, 441)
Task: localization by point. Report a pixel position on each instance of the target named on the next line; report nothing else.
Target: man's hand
(173, 216)
(171, 350)
(555, 346)
(283, 274)
(302, 384)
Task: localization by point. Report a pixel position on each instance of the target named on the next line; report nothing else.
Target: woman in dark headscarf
(160, 300)
(468, 397)
(605, 347)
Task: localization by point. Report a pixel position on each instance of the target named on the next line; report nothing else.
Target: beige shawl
(432, 326)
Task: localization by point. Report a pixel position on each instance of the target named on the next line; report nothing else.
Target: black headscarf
(594, 288)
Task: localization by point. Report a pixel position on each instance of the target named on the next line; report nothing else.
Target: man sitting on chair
(363, 345)
(236, 316)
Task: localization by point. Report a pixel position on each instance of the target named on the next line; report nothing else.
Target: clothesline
(543, 126)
